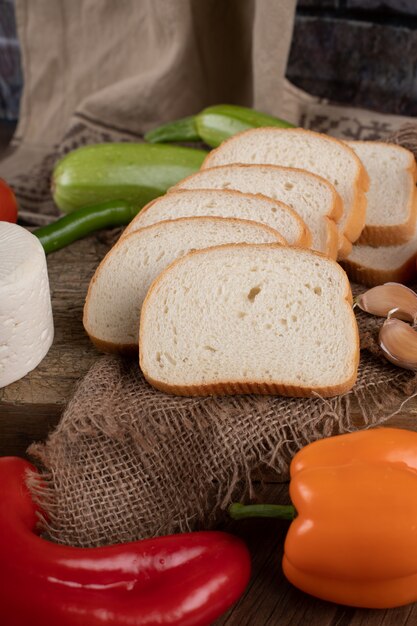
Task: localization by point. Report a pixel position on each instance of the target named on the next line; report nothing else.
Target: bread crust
(372, 277)
(337, 212)
(232, 388)
(128, 349)
(344, 247)
(131, 348)
(375, 235)
(334, 214)
(261, 387)
(332, 239)
(304, 240)
(356, 219)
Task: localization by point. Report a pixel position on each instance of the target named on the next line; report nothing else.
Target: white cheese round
(26, 324)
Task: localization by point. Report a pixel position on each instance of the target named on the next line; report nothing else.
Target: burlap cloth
(127, 461)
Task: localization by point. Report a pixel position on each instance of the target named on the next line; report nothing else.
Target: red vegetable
(187, 579)
(8, 203)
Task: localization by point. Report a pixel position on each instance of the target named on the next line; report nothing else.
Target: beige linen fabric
(101, 70)
(121, 68)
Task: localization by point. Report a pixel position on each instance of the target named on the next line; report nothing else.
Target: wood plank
(19, 428)
(21, 424)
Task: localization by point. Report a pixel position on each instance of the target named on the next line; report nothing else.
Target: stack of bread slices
(230, 283)
(387, 247)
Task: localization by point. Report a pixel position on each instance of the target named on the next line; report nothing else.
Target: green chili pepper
(184, 129)
(214, 124)
(133, 172)
(83, 222)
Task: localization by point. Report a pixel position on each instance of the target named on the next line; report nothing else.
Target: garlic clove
(384, 298)
(398, 342)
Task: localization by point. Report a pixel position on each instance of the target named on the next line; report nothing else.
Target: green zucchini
(214, 124)
(136, 173)
(217, 123)
(180, 130)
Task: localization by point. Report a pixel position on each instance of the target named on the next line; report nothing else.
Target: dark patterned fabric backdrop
(10, 70)
(360, 52)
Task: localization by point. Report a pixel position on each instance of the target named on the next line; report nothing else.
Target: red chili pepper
(8, 203)
(188, 579)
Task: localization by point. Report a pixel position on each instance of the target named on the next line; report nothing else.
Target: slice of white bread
(225, 204)
(295, 147)
(312, 197)
(392, 207)
(243, 318)
(121, 281)
(374, 266)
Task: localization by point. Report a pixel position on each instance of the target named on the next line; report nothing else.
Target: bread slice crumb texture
(317, 153)
(392, 208)
(312, 197)
(250, 319)
(120, 283)
(233, 204)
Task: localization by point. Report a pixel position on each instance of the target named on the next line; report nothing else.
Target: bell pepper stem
(279, 511)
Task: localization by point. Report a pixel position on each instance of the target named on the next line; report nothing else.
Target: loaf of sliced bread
(225, 204)
(392, 205)
(312, 197)
(371, 266)
(120, 283)
(295, 147)
(243, 318)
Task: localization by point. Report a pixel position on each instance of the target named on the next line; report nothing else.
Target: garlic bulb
(392, 298)
(398, 342)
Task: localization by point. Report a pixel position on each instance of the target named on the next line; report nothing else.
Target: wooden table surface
(31, 407)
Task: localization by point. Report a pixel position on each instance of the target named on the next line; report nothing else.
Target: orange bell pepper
(354, 537)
